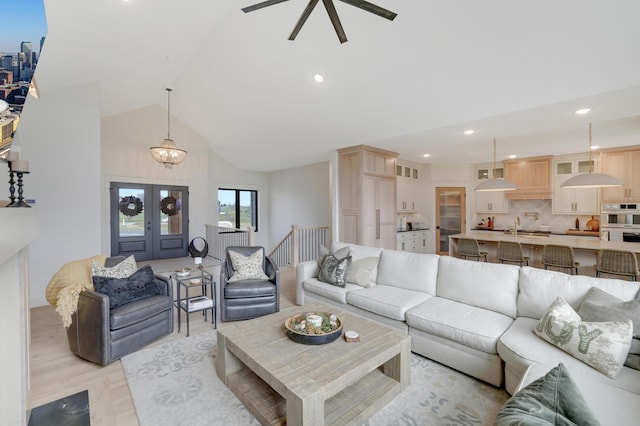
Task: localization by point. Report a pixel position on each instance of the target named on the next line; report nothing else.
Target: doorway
(149, 221)
(450, 215)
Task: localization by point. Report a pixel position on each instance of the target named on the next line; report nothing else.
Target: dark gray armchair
(102, 335)
(248, 298)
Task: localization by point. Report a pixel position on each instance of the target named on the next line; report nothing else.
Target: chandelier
(168, 153)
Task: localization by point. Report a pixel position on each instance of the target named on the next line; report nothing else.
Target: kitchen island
(584, 249)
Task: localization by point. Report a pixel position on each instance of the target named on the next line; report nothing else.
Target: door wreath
(130, 206)
(169, 205)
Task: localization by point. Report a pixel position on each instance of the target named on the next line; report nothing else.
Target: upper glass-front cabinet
(485, 173)
(575, 167)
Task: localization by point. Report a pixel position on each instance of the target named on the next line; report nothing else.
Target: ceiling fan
(331, 10)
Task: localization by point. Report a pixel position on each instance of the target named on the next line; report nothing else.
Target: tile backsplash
(517, 208)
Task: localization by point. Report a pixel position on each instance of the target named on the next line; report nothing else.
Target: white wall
(299, 196)
(125, 142)
(59, 134)
(223, 174)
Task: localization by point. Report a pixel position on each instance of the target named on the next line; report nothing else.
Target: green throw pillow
(553, 399)
(334, 271)
(602, 345)
(598, 305)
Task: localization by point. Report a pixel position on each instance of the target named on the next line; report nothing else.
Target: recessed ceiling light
(427, 155)
(469, 132)
(594, 147)
(582, 111)
(513, 156)
(318, 78)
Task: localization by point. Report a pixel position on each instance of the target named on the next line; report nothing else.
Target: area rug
(176, 384)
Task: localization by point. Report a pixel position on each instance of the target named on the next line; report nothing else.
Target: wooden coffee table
(281, 381)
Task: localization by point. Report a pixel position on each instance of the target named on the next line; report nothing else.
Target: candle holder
(20, 202)
(12, 189)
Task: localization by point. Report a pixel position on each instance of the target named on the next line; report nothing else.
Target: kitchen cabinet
(532, 176)
(490, 201)
(367, 196)
(625, 165)
(574, 200)
(408, 187)
(413, 241)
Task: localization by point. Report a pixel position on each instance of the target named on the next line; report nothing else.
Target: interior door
(149, 221)
(450, 215)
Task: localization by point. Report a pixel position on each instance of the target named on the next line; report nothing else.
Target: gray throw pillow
(553, 399)
(334, 271)
(339, 254)
(140, 285)
(598, 305)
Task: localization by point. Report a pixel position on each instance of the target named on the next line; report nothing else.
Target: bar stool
(559, 257)
(469, 247)
(617, 262)
(510, 251)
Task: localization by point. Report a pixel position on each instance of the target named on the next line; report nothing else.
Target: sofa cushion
(334, 270)
(135, 312)
(538, 288)
(247, 267)
(249, 288)
(490, 286)
(553, 399)
(388, 301)
(122, 269)
(602, 345)
(471, 326)
(360, 251)
(361, 270)
(332, 292)
(519, 347)
(140, 285)
(599, 305)
(411, 271)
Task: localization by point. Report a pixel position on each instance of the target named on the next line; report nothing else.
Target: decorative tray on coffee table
(303, 328)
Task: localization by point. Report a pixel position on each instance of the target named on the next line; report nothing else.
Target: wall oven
(621, 222)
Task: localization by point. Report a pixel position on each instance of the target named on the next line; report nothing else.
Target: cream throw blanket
(63, 290)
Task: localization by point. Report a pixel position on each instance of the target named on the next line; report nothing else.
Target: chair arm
(224, 275)
(165, 286)
(271, 269)
(88, 334)
(304, 271)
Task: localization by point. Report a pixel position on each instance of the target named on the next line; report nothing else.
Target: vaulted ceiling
(513, 70)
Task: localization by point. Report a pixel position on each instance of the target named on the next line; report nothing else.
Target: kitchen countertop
(581, 232)
(541, 240)
(412, 229)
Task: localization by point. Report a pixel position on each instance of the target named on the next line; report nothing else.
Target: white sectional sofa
(475, 317)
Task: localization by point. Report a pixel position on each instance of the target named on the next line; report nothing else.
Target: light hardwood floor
(56, 372)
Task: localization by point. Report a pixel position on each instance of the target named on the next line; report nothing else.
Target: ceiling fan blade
(369, 7)
(303, 19)
(261, 5)
(333, 15)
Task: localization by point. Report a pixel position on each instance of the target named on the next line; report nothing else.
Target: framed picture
(407, 172)
(398, 170)
(415, 173)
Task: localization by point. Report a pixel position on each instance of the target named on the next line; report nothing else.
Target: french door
(149, 221)
(450, 215)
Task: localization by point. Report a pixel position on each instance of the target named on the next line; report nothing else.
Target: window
(238, 208)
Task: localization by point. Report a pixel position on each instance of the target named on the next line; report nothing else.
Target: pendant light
(168, 153)
(591, 179)
(496, 184)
